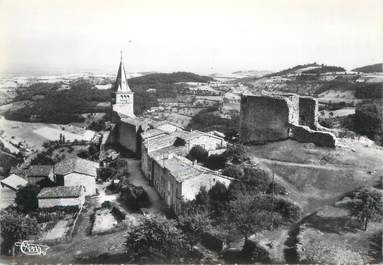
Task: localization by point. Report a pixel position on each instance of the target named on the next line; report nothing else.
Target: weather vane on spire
(121, 54)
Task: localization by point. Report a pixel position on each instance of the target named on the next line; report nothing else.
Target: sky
(202, 36)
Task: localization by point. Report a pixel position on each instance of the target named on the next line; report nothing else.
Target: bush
(135, 196)
(198, 153)
(26, 197)
(107, 205)
(290, 211)
(107, 173)
(233, 172)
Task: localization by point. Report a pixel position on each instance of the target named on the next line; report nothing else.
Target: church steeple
(121, 84)
(123, 97)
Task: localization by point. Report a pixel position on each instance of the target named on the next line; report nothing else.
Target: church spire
(121, 84)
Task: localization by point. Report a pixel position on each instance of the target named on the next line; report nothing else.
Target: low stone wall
(306, 135)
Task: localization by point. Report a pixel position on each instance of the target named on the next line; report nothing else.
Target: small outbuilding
(61, 196)
(13, 182)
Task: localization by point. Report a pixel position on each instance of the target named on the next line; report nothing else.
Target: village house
(61, 196)
(177, 179)
(77, 172)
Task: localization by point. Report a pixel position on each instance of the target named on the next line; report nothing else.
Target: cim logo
(31, 249)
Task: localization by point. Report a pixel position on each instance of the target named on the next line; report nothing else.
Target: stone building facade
(77, 172)
(177, 179)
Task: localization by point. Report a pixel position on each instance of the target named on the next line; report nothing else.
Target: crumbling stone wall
(306, 135)
(308, 112)
(274, 117)
(267, 118)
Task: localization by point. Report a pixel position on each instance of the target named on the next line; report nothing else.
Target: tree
(216, 162)
(15, 227)
(26, 197)
(194, 225)
(218, 198)
(368, 120)
(202, 197)
(236, 154)
(249, 214)
(42, 158)
(366, 205)
(254, 180)
(290, 211)
(198, 153)
(156, 236)
(233, 171)
(257, 178)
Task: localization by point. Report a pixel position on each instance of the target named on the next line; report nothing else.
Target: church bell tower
(122, 97)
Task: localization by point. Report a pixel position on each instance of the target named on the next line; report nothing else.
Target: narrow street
(137, 178)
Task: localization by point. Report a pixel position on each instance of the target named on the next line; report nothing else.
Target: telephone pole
(272, 203)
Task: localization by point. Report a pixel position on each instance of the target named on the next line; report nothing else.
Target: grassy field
(317, 176)
(33, 135)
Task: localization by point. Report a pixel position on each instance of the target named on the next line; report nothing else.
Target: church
(127, 127)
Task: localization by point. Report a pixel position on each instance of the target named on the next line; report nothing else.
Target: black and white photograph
(191, 132)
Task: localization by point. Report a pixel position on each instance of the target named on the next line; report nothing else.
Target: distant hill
(305, 70)
(164, 78)
(312, 68)
(372, 68)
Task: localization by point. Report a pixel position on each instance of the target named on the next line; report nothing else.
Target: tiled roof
(137, 121)
(38, 171)
(151, 133)
(166, 151)
(60, 192)
(194, 134)
(180, 169)
(78, 165)
(183, 169)
(161, 141)
(13, 181)
(191, 135)
(166, 126)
